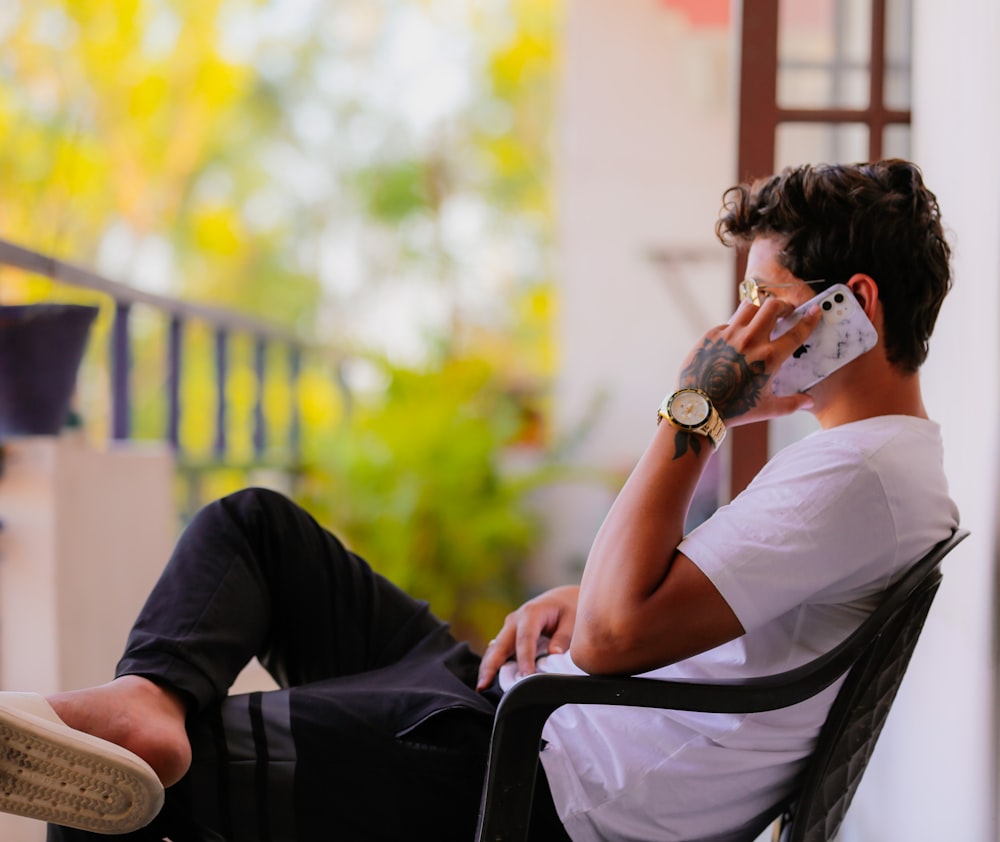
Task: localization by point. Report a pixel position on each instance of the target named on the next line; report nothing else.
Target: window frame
(759, 116)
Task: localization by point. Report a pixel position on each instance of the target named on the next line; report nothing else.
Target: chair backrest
(855, 721)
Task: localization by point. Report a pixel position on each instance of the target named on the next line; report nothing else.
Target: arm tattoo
(733, 384)
(681, 442)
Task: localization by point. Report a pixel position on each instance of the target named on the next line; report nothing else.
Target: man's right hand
(733, 363)
(543, 624)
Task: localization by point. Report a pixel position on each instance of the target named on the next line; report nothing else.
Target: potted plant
(41, 346)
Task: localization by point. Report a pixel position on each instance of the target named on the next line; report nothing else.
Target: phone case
(843, 334)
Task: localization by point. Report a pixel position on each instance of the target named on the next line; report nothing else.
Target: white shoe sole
(54, 773)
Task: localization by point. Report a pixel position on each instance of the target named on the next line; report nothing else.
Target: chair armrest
(524, 709)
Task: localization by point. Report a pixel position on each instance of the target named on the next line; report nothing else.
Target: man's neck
(868, 393)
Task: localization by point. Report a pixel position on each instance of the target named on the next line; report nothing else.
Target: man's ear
(866, 292)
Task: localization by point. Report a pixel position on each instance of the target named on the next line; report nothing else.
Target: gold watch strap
(715, 428)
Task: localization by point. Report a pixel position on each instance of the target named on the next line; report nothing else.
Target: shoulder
(869, 437)
(833, 514)
(876, 450)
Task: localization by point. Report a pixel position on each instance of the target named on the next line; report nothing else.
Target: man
(379, 731)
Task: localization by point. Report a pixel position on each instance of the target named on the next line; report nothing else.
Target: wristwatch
(691, 410)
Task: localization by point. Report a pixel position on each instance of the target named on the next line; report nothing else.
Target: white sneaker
(54, 773)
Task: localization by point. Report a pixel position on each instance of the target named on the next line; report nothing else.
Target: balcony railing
(225, 326)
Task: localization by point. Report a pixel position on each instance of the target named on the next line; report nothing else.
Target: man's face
(773, 279)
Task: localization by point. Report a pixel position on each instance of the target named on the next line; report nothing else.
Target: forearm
(637, 543)
(642, 603)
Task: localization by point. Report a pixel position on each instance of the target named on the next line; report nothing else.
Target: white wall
(933, 776)
(646, 147)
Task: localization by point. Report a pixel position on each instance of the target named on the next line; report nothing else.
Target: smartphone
(843, 334)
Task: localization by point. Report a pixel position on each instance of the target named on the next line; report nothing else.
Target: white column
(933, 774)
(85, 534)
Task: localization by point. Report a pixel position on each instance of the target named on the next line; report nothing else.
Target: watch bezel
(706, 400)
(711, 426)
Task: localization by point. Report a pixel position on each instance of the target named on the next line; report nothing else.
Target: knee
(257, 497)
(255, 505)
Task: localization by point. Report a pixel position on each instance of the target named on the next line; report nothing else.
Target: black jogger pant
(376, 733)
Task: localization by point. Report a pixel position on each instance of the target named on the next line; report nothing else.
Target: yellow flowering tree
(373, 174)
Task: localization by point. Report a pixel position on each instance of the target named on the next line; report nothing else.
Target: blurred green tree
(373, 174)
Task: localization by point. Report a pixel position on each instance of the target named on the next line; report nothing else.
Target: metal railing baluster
(221, 375)
(175, 334)
(295, 425)
(259, 420)
(121, 364)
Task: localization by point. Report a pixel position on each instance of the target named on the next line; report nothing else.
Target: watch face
(689, 408)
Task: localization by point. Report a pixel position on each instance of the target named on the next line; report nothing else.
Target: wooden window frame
(759, 119)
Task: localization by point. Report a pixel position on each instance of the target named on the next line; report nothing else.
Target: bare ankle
(135, 713)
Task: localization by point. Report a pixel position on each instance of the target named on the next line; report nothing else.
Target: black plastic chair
(875, 657)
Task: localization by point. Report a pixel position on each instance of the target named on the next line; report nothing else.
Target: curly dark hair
(837, 220)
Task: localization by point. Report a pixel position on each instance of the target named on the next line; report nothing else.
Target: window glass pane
(896, 142)
(814, 143)
(824, 53)
(898, 40)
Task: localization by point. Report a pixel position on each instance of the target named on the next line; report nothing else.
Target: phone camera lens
(839, 298)
(827, 305)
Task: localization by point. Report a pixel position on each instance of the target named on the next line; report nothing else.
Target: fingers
(518, 638)
(805, 326)
(497, 653)
(744, 314)
(791, 403)
(528, 634)
(770, 311)
(559, 642)
(752, 322)
(756, 336)
(544, 624)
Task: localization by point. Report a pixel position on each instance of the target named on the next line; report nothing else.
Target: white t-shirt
(801, 557)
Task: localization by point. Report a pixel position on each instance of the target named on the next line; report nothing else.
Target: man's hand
(734, 362)
(543, 624)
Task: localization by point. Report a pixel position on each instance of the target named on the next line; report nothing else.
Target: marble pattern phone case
(843, 334)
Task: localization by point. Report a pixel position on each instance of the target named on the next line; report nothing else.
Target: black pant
(377, 732)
